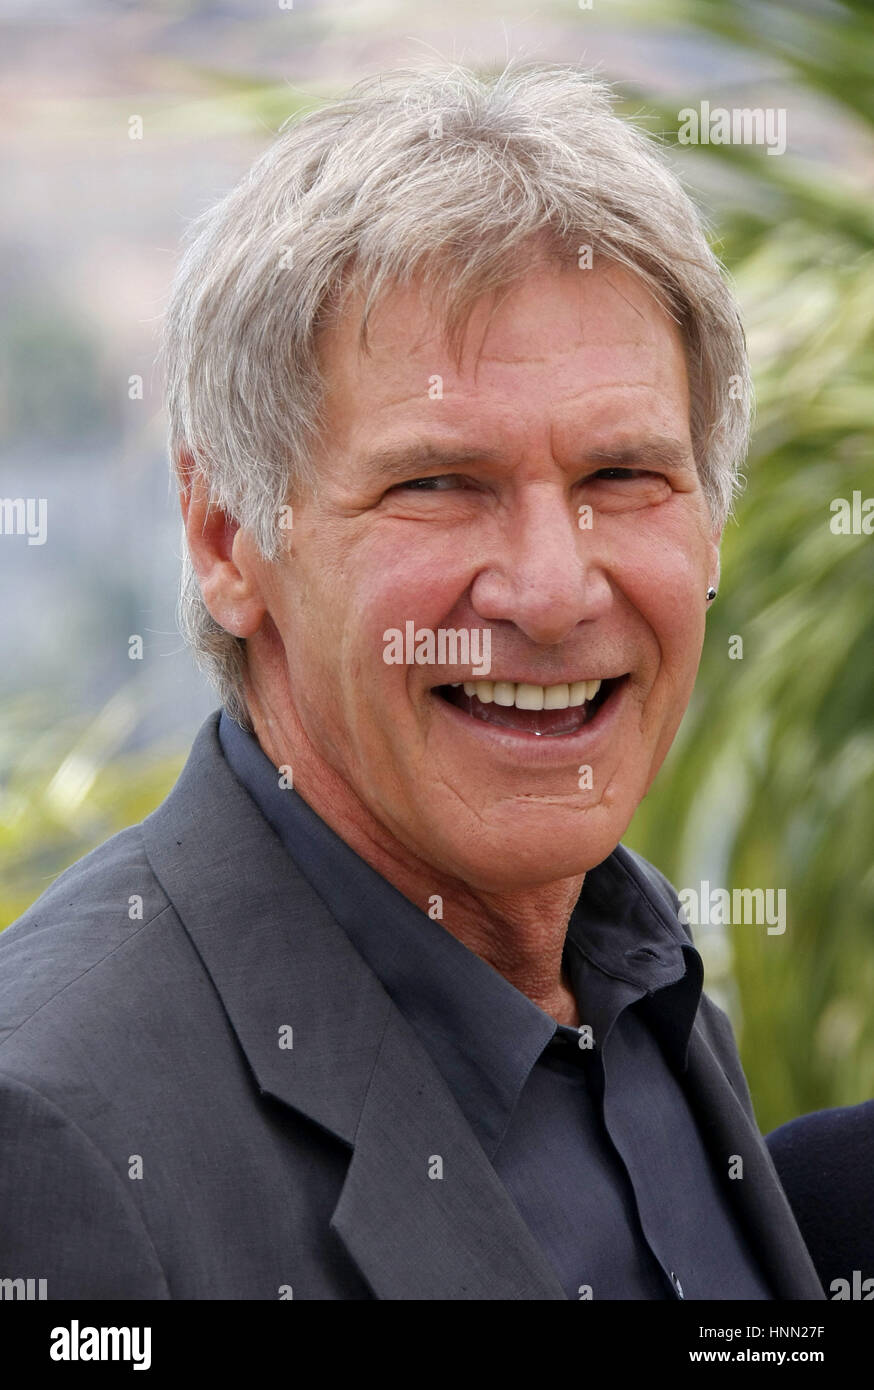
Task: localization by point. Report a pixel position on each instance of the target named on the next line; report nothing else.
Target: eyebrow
(669, 453)
(399, 461)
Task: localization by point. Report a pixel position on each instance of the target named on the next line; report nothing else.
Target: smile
(540, 710)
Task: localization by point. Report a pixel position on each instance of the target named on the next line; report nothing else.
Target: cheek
(664, 580)
(664, 566)
(679, 632)
(339, 637)
(403, 583)
(676, 615)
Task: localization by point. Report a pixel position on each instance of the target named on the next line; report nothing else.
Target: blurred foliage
(48, 375)
(770, 782)
(67, 788)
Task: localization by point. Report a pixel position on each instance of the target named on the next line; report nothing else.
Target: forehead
(560, 343)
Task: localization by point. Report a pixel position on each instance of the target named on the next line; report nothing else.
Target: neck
(520, 934)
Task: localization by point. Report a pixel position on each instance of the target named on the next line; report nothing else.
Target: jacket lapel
(350, 1062)
(422, 1212)
(718, 1092)
(758, 1197)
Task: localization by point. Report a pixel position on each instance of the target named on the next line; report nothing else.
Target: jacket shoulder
(92, 911)
(68, 1217)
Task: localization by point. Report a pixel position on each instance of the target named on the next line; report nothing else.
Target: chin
(512, 862)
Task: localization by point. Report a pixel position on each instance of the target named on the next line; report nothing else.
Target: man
(376, 1004)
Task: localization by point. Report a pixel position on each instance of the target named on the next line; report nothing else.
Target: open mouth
(548, 711)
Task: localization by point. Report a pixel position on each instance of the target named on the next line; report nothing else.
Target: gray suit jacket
(157, 1142)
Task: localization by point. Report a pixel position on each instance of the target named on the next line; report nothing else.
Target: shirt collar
(483, 1033)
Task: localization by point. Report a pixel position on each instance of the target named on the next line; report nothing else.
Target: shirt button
(678, 1287)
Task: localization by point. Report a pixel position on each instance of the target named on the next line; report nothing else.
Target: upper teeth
(535, 697)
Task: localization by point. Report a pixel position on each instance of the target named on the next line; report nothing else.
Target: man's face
(573, 397)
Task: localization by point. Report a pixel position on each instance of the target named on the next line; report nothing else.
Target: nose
(546, 574)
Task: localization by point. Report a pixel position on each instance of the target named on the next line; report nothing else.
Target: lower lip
(538, 751)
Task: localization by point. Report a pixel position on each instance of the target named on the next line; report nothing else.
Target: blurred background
(771, 780)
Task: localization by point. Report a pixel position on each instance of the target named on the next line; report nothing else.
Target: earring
(711, 594)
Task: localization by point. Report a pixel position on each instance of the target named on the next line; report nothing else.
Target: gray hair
(442, 173)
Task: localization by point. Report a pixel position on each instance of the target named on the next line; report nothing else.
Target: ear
(224, 557)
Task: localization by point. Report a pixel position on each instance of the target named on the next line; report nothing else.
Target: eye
(619, 474)
(625, 489)
(427, 484)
